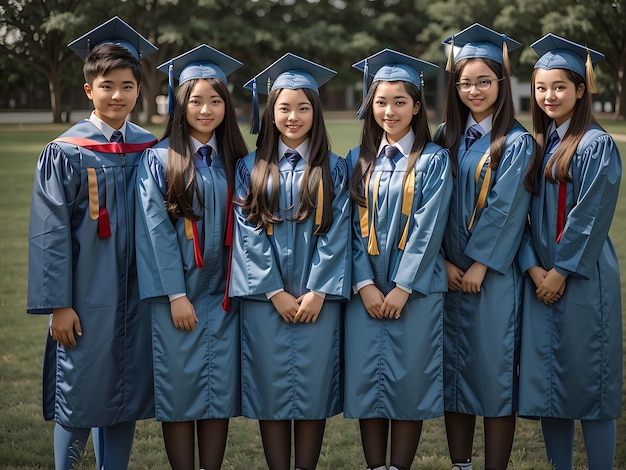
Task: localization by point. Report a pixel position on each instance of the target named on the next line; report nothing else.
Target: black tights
(276, 437)
(499, 433)
(180, 441)
(405, 436)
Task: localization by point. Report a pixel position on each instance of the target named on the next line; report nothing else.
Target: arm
(54, 199)
(330, 269)
(159, 260)
(598, 172)
(496, 236)
(429, 219)
(254, 267)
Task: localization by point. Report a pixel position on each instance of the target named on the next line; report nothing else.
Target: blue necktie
(293, 157)
(390, 152)
(205, 153)
(552, 142)
(117, 137)
(472, 135)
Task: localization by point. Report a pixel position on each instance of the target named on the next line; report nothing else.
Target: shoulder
(594, 135)
(518, 133)
(135, 133)
(157, 153)
(246, 164)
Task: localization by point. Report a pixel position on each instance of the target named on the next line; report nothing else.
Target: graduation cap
(392, 66)
(202, 62)
(478, 41)
(290, 71)
(556, 52)
(115, 31)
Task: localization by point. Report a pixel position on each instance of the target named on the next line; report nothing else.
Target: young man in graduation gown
(81, 268)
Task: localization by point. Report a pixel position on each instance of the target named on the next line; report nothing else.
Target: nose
(117, 94)
(291, 116)
(550, 94)
(205, 109)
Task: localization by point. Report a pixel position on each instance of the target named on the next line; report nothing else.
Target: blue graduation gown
(291, 371)
(394, 368)
(482, 330)
(196, 373)
(107, 378)
(571, 357)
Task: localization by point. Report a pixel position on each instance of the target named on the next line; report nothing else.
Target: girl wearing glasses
(571, 357)
(490, 152)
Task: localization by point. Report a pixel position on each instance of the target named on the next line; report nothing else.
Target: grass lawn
(26, 440)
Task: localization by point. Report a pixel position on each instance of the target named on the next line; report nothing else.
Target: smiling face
(481, 103)
(114, 95)
(293, 116)
(205, 111)
(394, 109)
(556, 94)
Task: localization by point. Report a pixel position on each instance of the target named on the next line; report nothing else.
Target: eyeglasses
(483, 84)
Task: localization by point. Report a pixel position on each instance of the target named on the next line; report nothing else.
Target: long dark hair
(261, 209)
(372, 135)
(181, 182)
(557, 168)
(456, 114)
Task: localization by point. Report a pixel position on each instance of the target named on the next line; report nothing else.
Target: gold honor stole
(407, 203)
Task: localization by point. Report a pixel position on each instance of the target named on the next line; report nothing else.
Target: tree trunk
(56, 102)
(620, 95)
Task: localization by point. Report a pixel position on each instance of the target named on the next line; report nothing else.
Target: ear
(416, 108)
(580, 91)
(88, 91)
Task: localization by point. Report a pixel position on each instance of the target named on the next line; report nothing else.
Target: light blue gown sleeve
(50, 273)
(423, 246)
(526, 256)
(361, 267)
(330, 268)
(587, 223)
(159, 261)
(495, 238)
(254, 269)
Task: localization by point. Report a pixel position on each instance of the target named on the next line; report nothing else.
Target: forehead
(552, 75)
(117, 75)
(203, 87)
(476, 68)
(390, 88)
(288, 95)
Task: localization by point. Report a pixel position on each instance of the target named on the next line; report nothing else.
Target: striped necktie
(472, 135)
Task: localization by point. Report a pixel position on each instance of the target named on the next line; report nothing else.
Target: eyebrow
(393, 97)
(284, 103)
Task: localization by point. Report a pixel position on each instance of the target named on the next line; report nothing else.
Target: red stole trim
(109, 147)
(228, 241)
(197, 251)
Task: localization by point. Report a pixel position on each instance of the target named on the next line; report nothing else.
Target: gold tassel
(407, 205)
(92, 185)
(269, 229)
(319, 210)
(482, 195)
(188, 229)
(505, 57)
(363, 211)
(450, 63)
(591, 77)
(372, 246)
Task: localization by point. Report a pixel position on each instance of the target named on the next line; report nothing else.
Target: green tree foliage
(336, 33)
